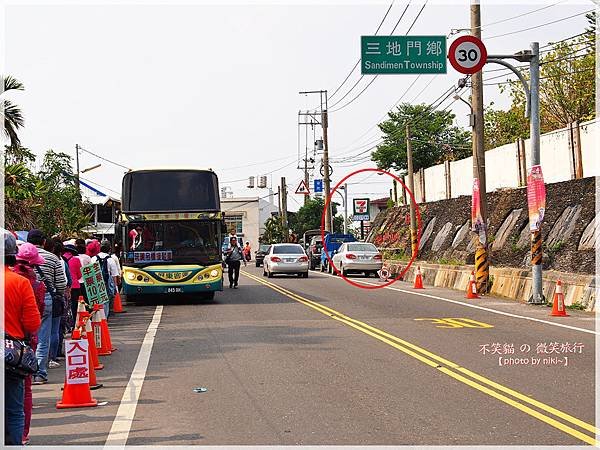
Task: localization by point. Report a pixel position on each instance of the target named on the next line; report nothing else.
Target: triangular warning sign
(302, 188)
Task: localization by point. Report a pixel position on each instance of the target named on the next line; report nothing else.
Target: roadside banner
(476, 219)
(77, 361)
(536, 197)
(94, 284)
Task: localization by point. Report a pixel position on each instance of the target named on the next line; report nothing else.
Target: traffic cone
(105, 331)
(117, 305)
(558, 302)
(91, 345)
(102, 344)
(472, 287)
(418, 279)
(80, 308)
(91, 338)
(76, 395)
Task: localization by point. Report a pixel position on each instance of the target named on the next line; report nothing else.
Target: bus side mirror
(223, 228)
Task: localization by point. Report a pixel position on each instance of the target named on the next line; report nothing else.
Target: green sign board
(94, 284)
(403, 54)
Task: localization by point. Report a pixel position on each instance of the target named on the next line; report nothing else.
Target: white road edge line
(121, 426)
(495, 311)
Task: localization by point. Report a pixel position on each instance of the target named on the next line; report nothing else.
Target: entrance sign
(403, 54)
(536, 197)
(94, 284)
(77, 361)
(302, 188)
(467, 54)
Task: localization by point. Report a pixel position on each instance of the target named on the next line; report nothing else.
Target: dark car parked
(314, 251)
(259, 255)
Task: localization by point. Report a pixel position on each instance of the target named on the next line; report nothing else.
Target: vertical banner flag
(94, 284)
(536, 197)
(476, 219)
(77, 361)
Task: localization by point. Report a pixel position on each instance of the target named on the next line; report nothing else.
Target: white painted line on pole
(495, 311)
(119, 432)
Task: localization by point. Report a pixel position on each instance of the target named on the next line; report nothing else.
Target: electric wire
(104, 159)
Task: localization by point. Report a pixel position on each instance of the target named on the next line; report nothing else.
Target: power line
(520, 15)
(376, 76)
(539, 26)
(104, 159)
(267, 173)
(358, 62)
(591, 69)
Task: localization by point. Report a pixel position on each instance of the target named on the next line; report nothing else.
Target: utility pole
(411, 187)
(537, 296)
(284, 221)
(77, 170)
(481, 254)
(345, 208)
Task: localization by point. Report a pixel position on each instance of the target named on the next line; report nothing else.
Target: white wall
(501, 166)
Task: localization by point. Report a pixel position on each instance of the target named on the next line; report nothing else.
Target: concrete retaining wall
(510, 283)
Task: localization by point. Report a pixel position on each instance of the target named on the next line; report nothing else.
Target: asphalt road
(317, 361)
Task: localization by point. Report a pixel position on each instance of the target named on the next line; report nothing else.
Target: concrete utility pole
(411, 187)
(326, 176)
(284, 221)
(481, 255)
(537, 296)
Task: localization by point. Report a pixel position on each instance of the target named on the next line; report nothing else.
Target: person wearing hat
(70, 255)
(53, 276)
(21, 318)
(28, 260)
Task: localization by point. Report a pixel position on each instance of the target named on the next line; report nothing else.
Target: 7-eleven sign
(361, 206)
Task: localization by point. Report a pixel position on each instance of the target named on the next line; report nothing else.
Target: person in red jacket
(21, 318)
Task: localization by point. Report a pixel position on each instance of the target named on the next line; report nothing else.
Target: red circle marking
(419, 227)
(467, 70)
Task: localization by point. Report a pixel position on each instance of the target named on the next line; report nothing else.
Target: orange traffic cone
(418, 279)
(91, 345)
(102, 345)
(76, 395)
(117, 305)
(472, 287)
(91, 338)
(80, 308)
(558, 302)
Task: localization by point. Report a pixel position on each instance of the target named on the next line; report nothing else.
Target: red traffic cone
(472, 287)
(558, 302)
(418, 279)
(91, 338)
(76, 393)
(93, 382)
(102, 344)
(117, 305)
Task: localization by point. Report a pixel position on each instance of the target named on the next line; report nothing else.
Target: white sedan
(358, 257)
(286, 258)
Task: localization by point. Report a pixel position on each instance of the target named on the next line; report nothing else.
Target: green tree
(274, 232)
(433, 137)
(308, 216)
(567, 91)
(13, 117)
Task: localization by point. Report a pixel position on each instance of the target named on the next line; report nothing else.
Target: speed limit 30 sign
(467, 54)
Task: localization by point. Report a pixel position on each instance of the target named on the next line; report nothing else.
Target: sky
(216, 85)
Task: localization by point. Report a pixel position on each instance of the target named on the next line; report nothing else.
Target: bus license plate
(173, 290)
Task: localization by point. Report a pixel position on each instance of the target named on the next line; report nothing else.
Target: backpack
(109, 281)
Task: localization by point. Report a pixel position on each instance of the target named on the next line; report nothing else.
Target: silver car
(358, 257)
(286, 258)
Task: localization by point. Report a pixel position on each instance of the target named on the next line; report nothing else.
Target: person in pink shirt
(70, 254)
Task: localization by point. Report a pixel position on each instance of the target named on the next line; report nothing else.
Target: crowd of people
(42, 284)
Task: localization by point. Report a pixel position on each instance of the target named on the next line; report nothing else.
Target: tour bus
(171, 228)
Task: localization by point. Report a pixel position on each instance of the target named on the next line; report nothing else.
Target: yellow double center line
(452, 369)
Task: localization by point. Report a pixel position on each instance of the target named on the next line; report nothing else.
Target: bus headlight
(130, 276)
(214, 273)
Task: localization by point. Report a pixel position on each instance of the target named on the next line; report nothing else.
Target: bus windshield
(170, 190)
(173, 242)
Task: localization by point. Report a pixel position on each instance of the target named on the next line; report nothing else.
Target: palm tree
(13, 117)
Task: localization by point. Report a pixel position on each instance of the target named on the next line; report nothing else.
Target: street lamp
(90, 168)
(472, 115)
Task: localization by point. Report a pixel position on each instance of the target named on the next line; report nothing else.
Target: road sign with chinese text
(318, 186)
(77, 361)
(403, 54)
(94, 284)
